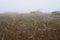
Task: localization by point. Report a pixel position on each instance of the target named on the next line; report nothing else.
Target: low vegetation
(29, 27)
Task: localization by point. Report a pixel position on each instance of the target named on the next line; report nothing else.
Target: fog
(29, 5)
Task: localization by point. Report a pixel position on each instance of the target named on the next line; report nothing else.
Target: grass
(29, 27)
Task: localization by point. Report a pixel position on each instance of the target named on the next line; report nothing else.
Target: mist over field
(29, 19)
(29, 5)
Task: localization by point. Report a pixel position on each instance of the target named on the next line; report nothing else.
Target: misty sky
(29, 5)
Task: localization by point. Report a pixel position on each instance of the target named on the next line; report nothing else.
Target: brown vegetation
(29, 27)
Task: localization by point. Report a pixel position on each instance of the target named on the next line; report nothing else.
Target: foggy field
(29, 27)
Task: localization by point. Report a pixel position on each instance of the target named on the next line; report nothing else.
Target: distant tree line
(56, 12)
(35, 12)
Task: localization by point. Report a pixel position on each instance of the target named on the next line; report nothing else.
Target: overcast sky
(29, 5)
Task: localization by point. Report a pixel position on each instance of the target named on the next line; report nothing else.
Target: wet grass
(29, 27)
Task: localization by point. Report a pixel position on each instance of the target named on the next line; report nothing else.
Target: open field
(29, 27)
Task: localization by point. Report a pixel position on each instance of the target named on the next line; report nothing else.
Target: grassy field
(29, 27)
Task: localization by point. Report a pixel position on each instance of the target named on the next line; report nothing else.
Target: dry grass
(29, 27)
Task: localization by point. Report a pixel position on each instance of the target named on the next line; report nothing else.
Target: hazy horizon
(29, 5)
